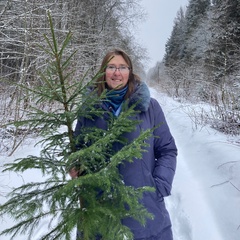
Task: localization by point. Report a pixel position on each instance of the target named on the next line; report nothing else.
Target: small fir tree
(98, 200)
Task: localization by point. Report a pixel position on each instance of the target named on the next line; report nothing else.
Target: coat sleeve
(165, 152)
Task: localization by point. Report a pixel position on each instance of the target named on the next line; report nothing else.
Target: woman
(157, 167)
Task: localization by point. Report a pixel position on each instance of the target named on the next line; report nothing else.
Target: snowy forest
(51, 51)
(201, 61)
(95, 27)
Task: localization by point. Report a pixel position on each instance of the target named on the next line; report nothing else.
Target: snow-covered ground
(205, 201)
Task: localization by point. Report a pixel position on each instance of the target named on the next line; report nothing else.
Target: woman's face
(117, 73)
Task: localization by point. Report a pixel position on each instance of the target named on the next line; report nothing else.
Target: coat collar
(140, 97)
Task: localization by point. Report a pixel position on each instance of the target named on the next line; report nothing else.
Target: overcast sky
(155, 31)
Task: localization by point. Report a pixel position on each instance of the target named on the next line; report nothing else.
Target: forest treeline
(202, 57)
(95, 25)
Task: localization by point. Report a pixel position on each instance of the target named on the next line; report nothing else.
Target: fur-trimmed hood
(140, 97)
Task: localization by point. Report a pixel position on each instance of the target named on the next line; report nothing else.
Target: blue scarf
(115, 99)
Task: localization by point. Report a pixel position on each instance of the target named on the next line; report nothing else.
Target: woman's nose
(117, 71)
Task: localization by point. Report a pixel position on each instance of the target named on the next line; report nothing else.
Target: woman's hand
(74, 173)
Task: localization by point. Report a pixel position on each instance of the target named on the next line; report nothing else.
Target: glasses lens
(111, 68)
(122, 69)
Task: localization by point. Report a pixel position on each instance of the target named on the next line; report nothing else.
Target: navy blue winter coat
(156, 169)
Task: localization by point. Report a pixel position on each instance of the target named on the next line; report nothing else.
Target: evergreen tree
(97, 201)
(195, 14)
(224, 46)
(175, 45)
(196, 10)
(184, 42)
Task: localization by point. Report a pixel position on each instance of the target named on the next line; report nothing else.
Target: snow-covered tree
(182, 45)
(196, 10)
(175, 46)
(225, 38)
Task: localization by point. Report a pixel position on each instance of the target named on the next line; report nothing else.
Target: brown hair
(133, 78)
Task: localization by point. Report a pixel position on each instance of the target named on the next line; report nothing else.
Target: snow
(205, 200)
(204, 203)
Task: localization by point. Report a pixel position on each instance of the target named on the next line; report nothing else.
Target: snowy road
(204, 204)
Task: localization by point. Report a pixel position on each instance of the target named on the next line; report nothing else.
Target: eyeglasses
(122, 69)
